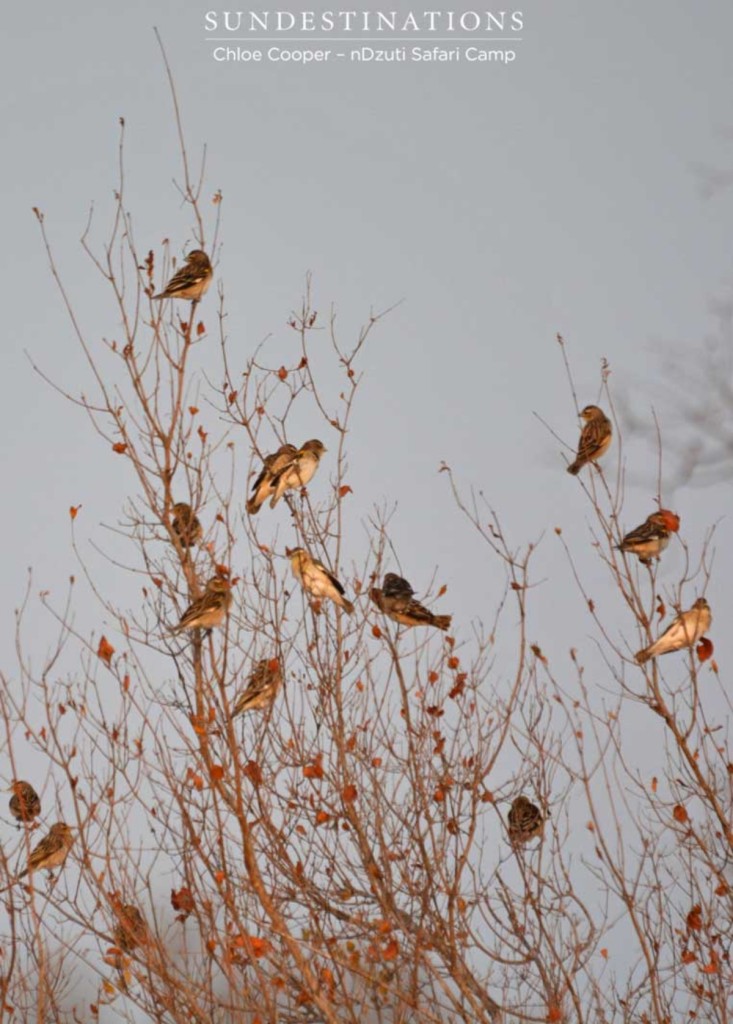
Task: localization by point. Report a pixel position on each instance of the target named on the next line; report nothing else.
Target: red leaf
(282, 373)
(694, 918)
(193, 409)
(680, 814)
(105, 650)
(705, 649)
(343, 491)
(376, 632)
(253, 772)
(315, 769)
(200, 329)
(349, 794)
(73, 511)
(183, 902)
(119, 448)
(217, 773)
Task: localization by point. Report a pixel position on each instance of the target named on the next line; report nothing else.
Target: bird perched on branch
(210, 609)
(316, 579)
(684, 631)
(132, 930)
(191, 281)
(298, 471)
(396, 600)
(525, 820)
(649, 540)
(25, 804)
(595, 438)
(263, 488)
(52, 850)
(262, 687)
(186, 525)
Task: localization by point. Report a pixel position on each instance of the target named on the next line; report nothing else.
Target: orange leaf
(453, 662)
(217, 773)
(604, 953)
(211, 945)
(680, 814)
(705, 649)
(554, 1013)
(433, 677)
(253, 772)
(282, 373)
(439, 795)
(260, 947)
(74, 510)
(193, 409)
(391, 950)
(349, 794)
(314, 770)
(688, 957)
(119, 448)
(198, 782)
(694, 918)
(202, 434)
(105, 650)
(376, 632)
(343, 491)
(710, 968)
(655, 783)
(661, 609)
(322, 817)
(219, 877)
(183, 902)
(200, 329)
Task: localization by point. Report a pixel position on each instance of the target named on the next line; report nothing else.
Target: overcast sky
(501, 204)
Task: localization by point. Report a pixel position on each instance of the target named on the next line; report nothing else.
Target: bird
(396, 600)
(262, 687)
(132, 930)
(298, 471)
(684, 631)
(192, 280)
(595, 438)
(25, 804)
(649, 540)
(186, 525)
(52, 850)
(526, 821)
(210, 609)
(262, 488)
(316, 578)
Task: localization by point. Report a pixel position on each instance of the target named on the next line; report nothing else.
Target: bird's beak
(288, 552)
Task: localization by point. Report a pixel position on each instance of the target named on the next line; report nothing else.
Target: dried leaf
(349, 794)
(217, 773)
(74, 510)
(344, 490)
(182, 901)
(680, 814)
(322, 817)
(253, 772)
(376, 632)
(391, 950)
(200, 329)
(705, 649)
(120, 448)
(314, 770)
(282, 373)
(105, 650)
(694, 918)
(193, 409)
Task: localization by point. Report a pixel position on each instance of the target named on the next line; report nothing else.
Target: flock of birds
(289, 469)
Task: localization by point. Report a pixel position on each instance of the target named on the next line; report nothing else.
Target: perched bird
(263, 488)
(298, 471)
(526, 821)
(650, 539)
(316, 578)
(191, 281)
(132, 931)
(261, 688)
(210, 609)
(52, 850)
(25, 804)
(684, 631)
(186, 525)
(595, 438)
(395, 600)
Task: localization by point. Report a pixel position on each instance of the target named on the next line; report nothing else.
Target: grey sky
(503, 204)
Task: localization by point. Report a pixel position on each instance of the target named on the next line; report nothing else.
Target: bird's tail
(253, 506)
(643, 655)
(347, 606)
(442, 621)
(575, 467)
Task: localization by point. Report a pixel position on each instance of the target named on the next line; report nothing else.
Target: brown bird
(316, 579)
(684, 631)
(25, 804)
(210, 609)
(526, 821)
(262, 489)
(595, 438)
(131, 931)
(649, 540)
(52, 850)
(299, 471)
(396, 601)
(191, 281)
(186, 525)
(262, 687)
